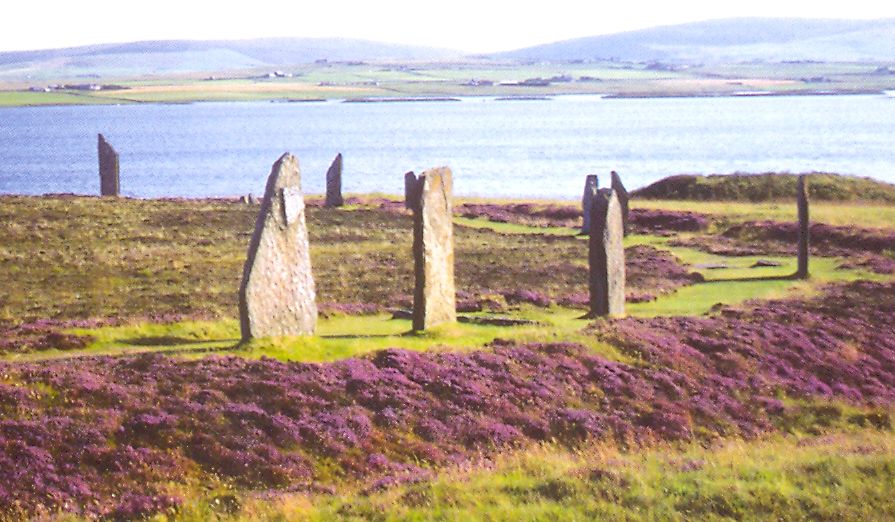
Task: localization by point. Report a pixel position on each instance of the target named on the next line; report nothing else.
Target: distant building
(478, 83)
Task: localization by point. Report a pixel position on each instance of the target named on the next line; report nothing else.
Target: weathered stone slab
(804, 234)
(606, 255)
(622, 195)
(434, 294)
(108, 168)
(277, 294)
(334, 183)
(591, 184)
(411, 190)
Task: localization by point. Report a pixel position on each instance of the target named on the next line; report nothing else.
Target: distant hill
(731, 40)
(767, 187)
(184, 56)
(716, 41)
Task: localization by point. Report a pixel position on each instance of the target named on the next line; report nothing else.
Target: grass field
(338, 81)
(740, 395)
(796, 477)
(872, 215)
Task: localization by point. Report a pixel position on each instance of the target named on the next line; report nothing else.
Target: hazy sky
(466, 25)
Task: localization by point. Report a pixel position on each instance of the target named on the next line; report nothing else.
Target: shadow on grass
(206, 350)
(788, 277)
(168, 340)
(359, 336)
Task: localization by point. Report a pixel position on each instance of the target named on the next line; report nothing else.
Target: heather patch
(664, 222)
(867, 248)
(44, 335)
(529, 214)
(644, 221)
(650, 273)
(86, 432)
(51, 334)
(841, 345)
(130, 259)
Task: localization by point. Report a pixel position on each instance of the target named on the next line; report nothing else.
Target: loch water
(496, 148)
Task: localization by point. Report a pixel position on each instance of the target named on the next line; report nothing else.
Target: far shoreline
(460, 98)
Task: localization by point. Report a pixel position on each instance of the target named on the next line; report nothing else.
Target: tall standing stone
(434, 295)
(606, 256)
(591, 183)
(622, 195)
(804, 239)
(334, 183)
(108, 168)
(411, 190)
(277, 294)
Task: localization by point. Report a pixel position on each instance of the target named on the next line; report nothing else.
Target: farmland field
(393, 80)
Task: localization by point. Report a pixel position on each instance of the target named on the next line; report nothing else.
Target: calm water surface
(495, 148)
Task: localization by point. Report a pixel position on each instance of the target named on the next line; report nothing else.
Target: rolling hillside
(185, 56)
(731, 40)
(710, 42)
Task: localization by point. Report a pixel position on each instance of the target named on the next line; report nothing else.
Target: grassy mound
(767, 187)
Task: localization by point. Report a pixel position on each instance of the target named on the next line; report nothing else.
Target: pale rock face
(334, 183)
(434, 297)
(108, 168)
(591, 184)
(277, 294)
(606, 256)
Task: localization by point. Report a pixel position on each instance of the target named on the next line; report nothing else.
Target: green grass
(88, 257)
(439, 79)
(788, 70)
(27, 98)
(339, 336)
(739, 281)
(870, 215)
(75, 257)
(847, 475)
(132, 258)
(343, 337)
(513, 228)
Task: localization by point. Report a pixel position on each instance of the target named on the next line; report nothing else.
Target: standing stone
(334, 183)
(411, 190)
(804, 239)
(591, 183)
(622, 195)
(606, 256)
(434, 295)
(108, 168)
(277, 294)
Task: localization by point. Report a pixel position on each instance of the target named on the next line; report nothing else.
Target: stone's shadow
(496, 320)
(210, 349)
(789, 277)
(358, 336)
(168, 340)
